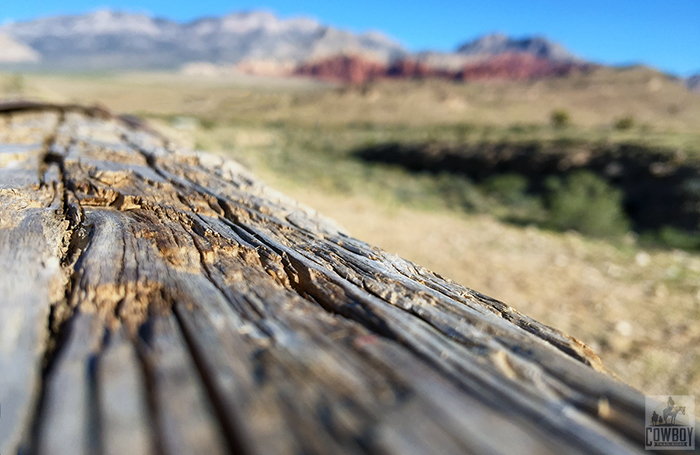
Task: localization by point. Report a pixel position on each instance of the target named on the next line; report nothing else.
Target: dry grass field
(637, 307)
(594, 99)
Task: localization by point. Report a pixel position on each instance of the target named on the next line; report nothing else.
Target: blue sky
(663, 34)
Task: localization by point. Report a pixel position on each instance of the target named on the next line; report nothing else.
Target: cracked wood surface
(163, 301)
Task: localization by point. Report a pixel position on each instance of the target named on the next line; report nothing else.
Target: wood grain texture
(163, 301)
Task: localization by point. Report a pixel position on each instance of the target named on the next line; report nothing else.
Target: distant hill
(497, 44)
(491, 57)
(693, 83)
(114, 40)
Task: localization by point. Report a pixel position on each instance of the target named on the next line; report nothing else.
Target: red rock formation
(405, 68)
(353, 69)
(515, 67)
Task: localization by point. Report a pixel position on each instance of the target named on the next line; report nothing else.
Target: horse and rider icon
(668, 415)
(670, 422)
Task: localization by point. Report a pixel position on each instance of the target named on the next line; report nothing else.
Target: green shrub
(676, 238)
(586, 203)
(276, 124)
(624, 123)
(459, 192)
(565, 142)
(207, 124)
(691, 187)
(516, 204)
(509, 189)
(521, 128)
(463, 130)
(560, 118)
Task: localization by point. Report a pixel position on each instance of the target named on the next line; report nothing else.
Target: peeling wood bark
(163, 301)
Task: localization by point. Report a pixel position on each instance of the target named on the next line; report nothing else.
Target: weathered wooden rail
(167, 302)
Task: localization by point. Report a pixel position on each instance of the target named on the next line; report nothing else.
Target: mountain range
(259, 41)
(115, 40)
